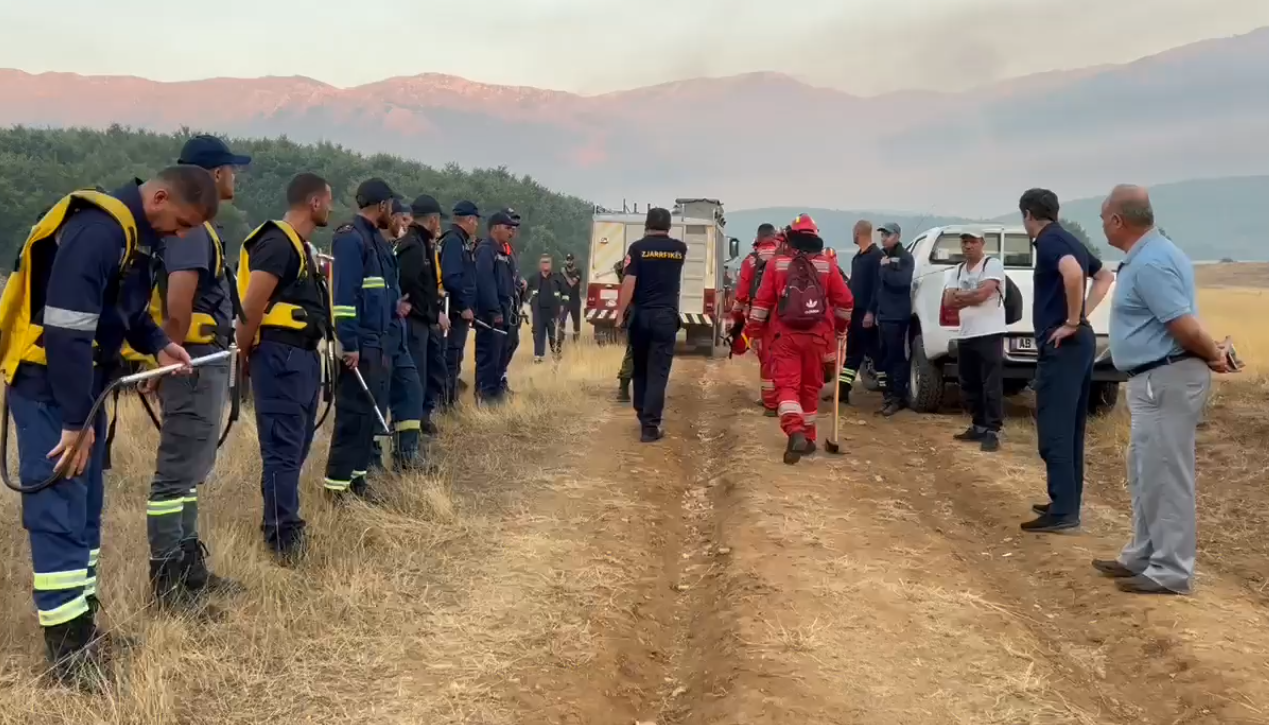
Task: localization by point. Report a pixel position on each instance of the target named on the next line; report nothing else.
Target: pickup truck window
(1017, 249)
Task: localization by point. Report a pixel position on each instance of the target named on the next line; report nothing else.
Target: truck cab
(932, 335)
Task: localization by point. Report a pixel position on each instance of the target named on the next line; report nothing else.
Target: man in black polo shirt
(654, 274)
(1067, 347)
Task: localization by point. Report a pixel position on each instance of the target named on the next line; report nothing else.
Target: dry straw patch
(413, 613)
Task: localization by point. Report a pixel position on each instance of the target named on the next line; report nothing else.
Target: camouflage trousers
(627, 365)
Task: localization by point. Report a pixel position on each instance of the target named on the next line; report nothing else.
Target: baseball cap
(400, 207)
(424, 205)
(890, 228)
(568, 257)
(503, 219)
(209, 152)
(466, 208)
(374, 191)
(971, 234)
(515, 215)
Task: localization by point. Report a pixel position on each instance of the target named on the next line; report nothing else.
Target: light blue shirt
(1154, 286)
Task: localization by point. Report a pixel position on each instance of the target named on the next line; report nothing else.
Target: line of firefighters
(139, 274)
(793, 301)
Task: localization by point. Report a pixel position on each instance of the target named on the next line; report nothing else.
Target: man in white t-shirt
(977, 288)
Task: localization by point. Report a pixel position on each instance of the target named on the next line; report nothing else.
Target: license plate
(1023, 344)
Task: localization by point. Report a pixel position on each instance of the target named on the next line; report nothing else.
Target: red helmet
(804, 224)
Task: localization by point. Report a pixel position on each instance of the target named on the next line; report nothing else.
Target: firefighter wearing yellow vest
(285, 304)
(197, 306)
(81, 286)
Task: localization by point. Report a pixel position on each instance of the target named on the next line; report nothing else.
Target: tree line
(38, 166)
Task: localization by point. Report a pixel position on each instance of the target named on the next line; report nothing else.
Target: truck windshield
(1017, 249)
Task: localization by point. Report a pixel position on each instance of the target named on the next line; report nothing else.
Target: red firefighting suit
(796, 357)
(765, 250)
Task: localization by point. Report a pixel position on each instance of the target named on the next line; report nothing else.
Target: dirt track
(712, 584)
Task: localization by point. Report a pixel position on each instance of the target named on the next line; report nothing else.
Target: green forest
(38, 166)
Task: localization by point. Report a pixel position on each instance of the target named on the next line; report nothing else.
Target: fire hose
(123, 382)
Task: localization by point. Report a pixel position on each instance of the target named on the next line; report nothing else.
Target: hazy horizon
(859, 47)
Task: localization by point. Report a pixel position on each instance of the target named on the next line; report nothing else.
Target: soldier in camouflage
(626, 374)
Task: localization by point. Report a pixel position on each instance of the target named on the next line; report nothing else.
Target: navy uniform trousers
(63, 520)
(427, 348)
(490, 347)
(509, 347)
(455, 348)
(405, 401)
(356, 425)
(652, 338)
(285, 386)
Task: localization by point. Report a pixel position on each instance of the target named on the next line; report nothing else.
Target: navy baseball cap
(512, 213)
(466, 208)
(503, 219)
(374, 191)
(424, 205)
(209, 152)
(400, 207)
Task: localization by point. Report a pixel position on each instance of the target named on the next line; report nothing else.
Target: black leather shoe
(1048, 524)
(1113, 569)
(1142, 585)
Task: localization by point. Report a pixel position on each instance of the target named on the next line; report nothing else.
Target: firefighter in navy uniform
(426, 323)
(405, 391)
(364, 310)
(458, 277)
(519, 288)
(654, 276)
(495, 294)
(286, 307)
(862, 338)
(80, 287)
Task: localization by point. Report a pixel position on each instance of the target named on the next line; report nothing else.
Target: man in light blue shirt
(1157, 339)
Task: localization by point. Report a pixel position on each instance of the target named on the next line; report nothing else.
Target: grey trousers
(1166, 405)
(192, 408)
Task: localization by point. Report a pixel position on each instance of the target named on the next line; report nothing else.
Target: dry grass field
(559, 572)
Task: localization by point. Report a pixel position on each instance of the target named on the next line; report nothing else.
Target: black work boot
(197, 577)
(796, 448)
(623, 392)
(74, 655)
(108, 643)
(428, 428)
(291, 548)
(168, 586)
(362, 490)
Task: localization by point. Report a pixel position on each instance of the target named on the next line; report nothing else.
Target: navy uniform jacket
(458, 270)
(87, 301)
(893, 301)
(865, 272)
(495, 284)
(364, 306)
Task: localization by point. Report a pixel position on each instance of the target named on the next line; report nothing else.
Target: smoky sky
(865, 47)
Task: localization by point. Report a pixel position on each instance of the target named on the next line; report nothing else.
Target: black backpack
(1012, 297)
(759, 266)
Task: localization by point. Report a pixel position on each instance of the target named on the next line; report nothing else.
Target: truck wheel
(926, 381)
(1015, 387)
(1102, 398)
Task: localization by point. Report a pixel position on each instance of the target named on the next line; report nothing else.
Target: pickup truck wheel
(1102, 398)
(926, 382)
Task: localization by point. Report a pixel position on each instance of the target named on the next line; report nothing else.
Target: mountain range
(1211, 219)
(755, 140)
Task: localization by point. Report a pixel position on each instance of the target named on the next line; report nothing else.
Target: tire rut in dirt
(1122, 655)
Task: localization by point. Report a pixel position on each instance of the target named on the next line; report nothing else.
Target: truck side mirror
(733, 247)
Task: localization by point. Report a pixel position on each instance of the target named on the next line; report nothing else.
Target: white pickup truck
(934, 327)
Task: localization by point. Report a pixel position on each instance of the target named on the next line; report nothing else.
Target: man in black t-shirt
(654, 275)
(282, 287)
